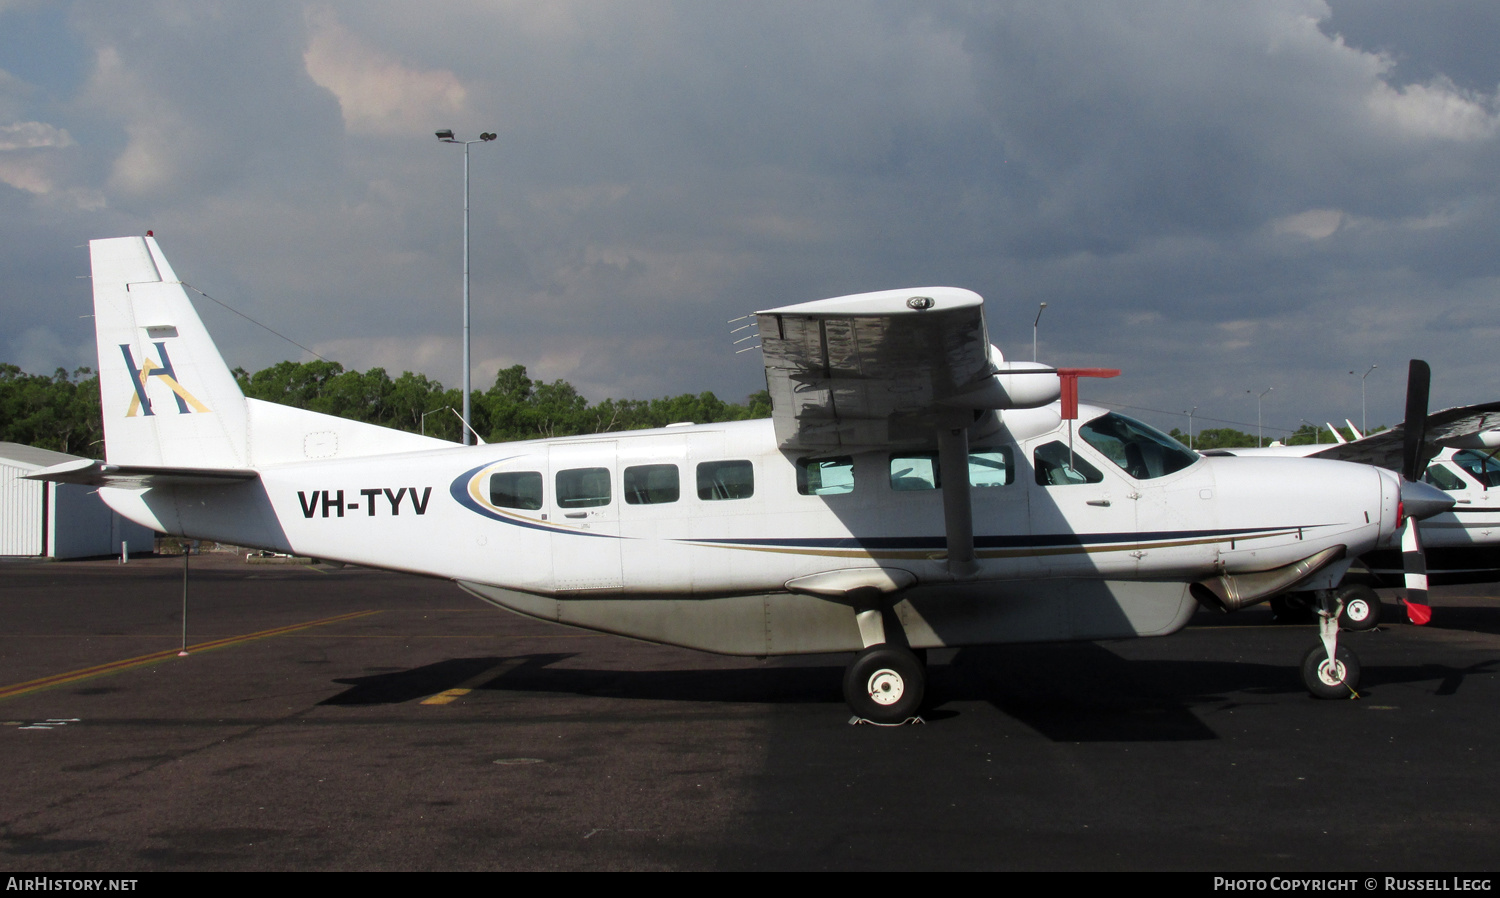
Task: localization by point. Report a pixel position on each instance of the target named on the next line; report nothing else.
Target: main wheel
(885, 684)
(1330, 680)
(1361, 608)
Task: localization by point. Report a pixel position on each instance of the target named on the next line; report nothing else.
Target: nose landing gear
(1330, 670)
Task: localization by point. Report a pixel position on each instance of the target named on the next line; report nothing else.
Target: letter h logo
(140, 402)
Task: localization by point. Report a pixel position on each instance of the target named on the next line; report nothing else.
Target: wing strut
(958, 512)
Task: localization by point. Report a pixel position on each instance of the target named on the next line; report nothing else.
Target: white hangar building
(58, 520)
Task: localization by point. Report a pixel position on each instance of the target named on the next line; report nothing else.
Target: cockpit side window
(1057, 465)
(1444, 479)
(1484, 468)
(1141, 451)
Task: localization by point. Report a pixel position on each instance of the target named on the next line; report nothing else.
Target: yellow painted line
(447, 696)
(155, 657)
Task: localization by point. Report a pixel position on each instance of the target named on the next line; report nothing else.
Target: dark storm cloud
(1208, 195)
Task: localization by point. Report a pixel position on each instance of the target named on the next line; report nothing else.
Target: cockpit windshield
(1141, 451)
(1484, 468)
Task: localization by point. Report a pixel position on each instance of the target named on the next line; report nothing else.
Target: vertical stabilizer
(166, 395)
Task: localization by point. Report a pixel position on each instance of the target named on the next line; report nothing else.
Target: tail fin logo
(140, 403)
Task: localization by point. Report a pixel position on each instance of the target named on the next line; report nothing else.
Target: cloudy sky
(1215, 197)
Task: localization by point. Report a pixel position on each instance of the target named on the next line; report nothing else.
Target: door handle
(576, 514)
(1102, 503)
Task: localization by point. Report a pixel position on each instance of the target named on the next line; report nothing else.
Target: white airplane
(912, 491)
(1457, 448)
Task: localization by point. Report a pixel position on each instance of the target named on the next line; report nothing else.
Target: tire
(885, 684)
(1361, 608)
(1329, 681)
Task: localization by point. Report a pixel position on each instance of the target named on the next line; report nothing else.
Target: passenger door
(586, 507)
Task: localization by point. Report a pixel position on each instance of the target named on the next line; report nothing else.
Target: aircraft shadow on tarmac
(1077, 692)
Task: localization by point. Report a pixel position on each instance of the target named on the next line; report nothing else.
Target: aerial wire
(252, 320)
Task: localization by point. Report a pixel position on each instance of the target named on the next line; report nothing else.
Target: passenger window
(1057, 465)
(915, 471)
(1444, 479)
(516, 489)
(991, 467)
(726, 480)
(651, 484)
(582, 487)
(919, 470)
(825, 476)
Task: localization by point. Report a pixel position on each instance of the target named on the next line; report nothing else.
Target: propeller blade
(1415, 562)
(1418, 383)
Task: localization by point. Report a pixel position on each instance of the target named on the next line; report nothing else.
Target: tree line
(61, 412)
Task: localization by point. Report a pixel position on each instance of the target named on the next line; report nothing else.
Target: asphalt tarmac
(348, 719)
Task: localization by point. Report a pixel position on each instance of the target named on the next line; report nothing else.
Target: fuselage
(710, 510)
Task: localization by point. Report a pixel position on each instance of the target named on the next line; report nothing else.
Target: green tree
(60, 412)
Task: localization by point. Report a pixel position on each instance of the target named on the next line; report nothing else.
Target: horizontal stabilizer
(92, 472)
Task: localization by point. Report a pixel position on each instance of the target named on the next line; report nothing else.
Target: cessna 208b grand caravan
(913, 491)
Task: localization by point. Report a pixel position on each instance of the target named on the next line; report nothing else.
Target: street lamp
(1317, 434)
(1364, 425)
(1034, 324)
(446, 408)
(1189, 414)
(446, 136)
(1258, 398)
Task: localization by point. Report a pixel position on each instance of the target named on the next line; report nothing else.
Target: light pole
(1258, 398)
(446, 408)
(1364, 425)
(1189, 414)
(1041, 308)
(446, 136)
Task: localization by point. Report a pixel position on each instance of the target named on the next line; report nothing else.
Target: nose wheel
(885, 684)
(1330, 670)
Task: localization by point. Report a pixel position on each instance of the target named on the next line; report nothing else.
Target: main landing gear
(1361, 607)
(885, 684)
(1330, 670)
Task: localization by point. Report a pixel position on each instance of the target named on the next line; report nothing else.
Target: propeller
(1417, 500)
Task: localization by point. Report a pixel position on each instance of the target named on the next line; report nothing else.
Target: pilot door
(585, 506)
(1083, 513)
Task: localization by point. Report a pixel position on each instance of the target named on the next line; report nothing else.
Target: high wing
(888, 369)
(1461, 427)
